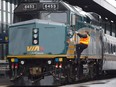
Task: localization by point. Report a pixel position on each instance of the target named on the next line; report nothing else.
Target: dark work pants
(79, 50)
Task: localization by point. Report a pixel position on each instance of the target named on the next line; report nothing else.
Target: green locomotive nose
(37, 37)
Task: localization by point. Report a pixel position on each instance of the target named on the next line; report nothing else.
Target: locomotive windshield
(57, 17)
(50, 10)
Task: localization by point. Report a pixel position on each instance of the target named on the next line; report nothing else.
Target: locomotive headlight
(60, 59)
(12, 60)
(35, 30)
(49, 62)
(22, 62)
(16, 60)
(35, 36)
(56, 60)
(35, 41)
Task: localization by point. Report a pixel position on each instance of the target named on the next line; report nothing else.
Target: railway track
(109, 79)
(104, 79)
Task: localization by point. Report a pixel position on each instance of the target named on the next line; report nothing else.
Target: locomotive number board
(50, 6)
(30, 6)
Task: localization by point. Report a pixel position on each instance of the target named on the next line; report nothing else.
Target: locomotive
(42, 43)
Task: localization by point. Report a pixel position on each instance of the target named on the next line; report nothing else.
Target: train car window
(57, 17)
(109, 48)
(113, 29)
(107, 27)
(106, 47)
(103, 24)
(114, 49)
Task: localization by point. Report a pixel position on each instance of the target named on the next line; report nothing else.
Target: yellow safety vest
(85, 40)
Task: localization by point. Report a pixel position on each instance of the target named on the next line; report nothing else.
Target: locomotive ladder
(72, 47)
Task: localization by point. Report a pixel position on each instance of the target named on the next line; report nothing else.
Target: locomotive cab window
(56, 17)
(25, 17)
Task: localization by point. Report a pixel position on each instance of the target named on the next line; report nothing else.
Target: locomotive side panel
(94, 49)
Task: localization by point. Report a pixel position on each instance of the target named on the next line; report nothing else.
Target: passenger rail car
(42, 44)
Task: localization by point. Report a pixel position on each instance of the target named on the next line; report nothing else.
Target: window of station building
(0, 4)
(8, 6)
(4, 5)
(13, 7)
(12, 16)
(0, 15)
(4, 17)
(9, 18)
